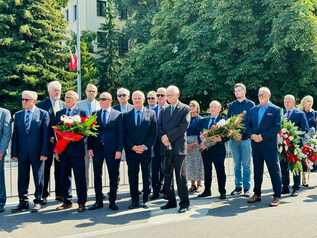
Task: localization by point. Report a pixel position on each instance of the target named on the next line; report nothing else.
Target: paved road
(208, 217)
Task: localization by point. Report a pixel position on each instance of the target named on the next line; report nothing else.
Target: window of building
(101, 8)
(100, 36)
(75, 12)
(123, 45)
(123, 13)
(67, 15)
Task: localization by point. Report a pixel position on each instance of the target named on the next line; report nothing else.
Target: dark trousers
(77, 163)
(209, 158)
(157, 174)
(261, 153)
(134, 162)
(57, 176)
(24, 178)
(286, 176)
(113, 167)
(177, 163)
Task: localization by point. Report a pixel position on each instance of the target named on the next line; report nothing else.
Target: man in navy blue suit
(52, 105)
(263, 123)
(106, 146)
(215, 154)
(30, 148)
(299, 119)
(140, 133)
(72, 158)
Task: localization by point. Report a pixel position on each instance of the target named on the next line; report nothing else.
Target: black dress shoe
(81, 208)
(21, 208)
(204, 194)
(183, 209)
(223, 196)
(294, 193)
(59, 198)
(113, 206)
(285, 190)
(145, 205)
(154, 196)
(168, 206)
(134, 205)
(36, 207)
(95, 206)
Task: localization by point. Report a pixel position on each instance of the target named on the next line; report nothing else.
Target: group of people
(162, 138)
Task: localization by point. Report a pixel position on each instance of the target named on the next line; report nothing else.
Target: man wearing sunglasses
(107, 146)
(30, 148)
(123, 96)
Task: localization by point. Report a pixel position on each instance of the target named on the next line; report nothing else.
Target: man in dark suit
(263, 123)
(72, 158)
(52, 105)
(299, 119)
(30, 148)
(174, 120)
(140, 132)
(123, 96)
(215, 154)
(107, 146)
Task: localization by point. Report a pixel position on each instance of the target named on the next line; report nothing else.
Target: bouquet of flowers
(309, 149)
(73, 128)
(226, 129)
(289, 140)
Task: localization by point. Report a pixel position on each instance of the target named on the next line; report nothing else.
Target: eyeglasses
(150, 98)
(104, 99)
(26, 99)
(121, 95)
(160, 95)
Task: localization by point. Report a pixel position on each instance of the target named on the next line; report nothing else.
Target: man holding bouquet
(73, 157)
(262, 127)
(214, 154)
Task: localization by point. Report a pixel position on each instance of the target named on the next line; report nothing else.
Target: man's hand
(202, 146)
(256, 138)
(52, 140)
(43, 158)
(165, 140)
(14, 158)
(118, 155)
(57, 157)
(90, 154)
(216, 139)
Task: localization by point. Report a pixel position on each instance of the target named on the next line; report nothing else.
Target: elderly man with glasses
(123, 96)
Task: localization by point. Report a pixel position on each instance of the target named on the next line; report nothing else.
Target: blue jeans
(3, 196)
(241, 152)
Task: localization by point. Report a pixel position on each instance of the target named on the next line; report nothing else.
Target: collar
(136, 110)
(31, 110)
(106, 109)
(241, 101)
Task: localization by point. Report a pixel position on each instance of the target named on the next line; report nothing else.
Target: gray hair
(174, 89)
(54, 84)
(290, 96)
(215, 102)
(123, 90)
(264, 90)
(31, 94)
(138, 92)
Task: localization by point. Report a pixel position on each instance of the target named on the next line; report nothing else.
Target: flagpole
(78, 51)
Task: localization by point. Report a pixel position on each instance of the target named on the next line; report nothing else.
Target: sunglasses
(104, 99)
(26, 99)
(160, 95)
(121, 95)
(150, 98)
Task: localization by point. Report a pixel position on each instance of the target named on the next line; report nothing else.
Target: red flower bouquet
(73, 129)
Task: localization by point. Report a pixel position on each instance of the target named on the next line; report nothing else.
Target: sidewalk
(208, 217)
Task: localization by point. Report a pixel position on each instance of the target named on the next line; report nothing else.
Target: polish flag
(72, 65)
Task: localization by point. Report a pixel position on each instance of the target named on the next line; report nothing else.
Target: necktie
(27, 121)
(138, 118)
(104, 117)
(89, 108)
(172, 109)
(260, 114)
(68, 112)
(211, 122)
(288, 113)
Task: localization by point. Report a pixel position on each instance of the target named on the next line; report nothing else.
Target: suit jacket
(300, 119)
(144, 134)
(218, 148)
(268, 128)
(46, 105)
(118, 107)
(83, 106)
(110, 136)
(5, 129)
(175, 126)
(35, 143)
(73, 148)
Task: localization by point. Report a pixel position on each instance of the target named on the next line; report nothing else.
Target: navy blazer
(110, 136)
(300, 120)
(311, 118)
(46, 105)
(218, 148)
(144, 134)
(34, 144)
(73, 148)
(118, 107)
(270, 124)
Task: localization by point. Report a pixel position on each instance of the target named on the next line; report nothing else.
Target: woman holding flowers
(194, 163)
(214, 154)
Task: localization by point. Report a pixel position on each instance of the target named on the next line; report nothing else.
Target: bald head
(173, 94)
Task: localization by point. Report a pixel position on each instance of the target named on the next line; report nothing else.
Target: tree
(32, 51)
(108, 60)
